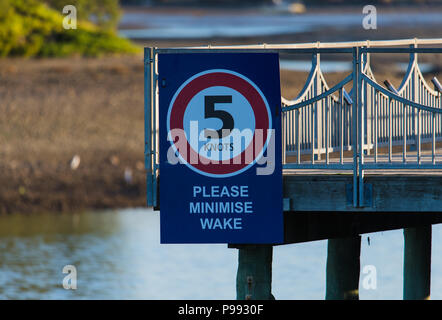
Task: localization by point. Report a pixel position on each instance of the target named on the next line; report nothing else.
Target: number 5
(224, 116)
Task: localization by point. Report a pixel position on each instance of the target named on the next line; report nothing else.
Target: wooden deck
(384, 192)
(400, 189)
(318, 203)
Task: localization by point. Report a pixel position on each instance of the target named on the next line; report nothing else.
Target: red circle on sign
(244, 87)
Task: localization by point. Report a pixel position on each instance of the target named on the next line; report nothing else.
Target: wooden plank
(396, 193)
(390, 193)
(317, 192)
(311, 226)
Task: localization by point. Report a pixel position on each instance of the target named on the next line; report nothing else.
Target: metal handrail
(289, 105)
(393, 94)
(323, 120)
(324, 45)
(305, 90)
(437, 84)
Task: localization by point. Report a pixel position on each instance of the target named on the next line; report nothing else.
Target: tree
(31, 28)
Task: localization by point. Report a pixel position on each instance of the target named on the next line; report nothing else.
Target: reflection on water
(341, 66)
(118, 256)
(188, 26)
(306, 65)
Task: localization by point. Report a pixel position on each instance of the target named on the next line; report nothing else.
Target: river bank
(55, 110)
(72, 129)
(58, 111)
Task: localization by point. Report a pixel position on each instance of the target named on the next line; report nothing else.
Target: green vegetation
(32, 28)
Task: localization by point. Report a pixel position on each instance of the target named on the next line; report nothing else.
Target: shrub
(31, 28)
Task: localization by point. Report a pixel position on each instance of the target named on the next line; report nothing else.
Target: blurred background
(72, 140)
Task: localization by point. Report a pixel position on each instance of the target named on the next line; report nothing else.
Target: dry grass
(54, 109)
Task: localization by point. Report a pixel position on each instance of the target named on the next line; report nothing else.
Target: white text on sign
(233, 193)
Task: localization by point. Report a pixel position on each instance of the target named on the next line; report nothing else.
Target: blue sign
(220, 148)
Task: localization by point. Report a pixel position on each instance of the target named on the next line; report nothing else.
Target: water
(188, 26)
(342, 66)
(118, 256)
(306, 65)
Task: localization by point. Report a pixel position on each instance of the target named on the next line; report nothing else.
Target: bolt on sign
(220, 148)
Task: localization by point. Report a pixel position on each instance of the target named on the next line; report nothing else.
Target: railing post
(254, 276)
(316, 125)
(319, 108)
(284, 138)
(417, 263)
(368, 98)
(148, 126)
(416, 98)
(155, 127)
(361, 130)
(343, 269)
(354, 130)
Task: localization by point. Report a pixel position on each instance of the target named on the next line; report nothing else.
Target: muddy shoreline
(56, 109)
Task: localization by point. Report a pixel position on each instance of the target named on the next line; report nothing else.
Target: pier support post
(417, 263)
(254, 277)
(343, 268)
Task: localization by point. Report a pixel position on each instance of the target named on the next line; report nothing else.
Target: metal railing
(398, 120)
(366, 127)
(318, 122)
(405, 117)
